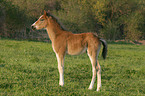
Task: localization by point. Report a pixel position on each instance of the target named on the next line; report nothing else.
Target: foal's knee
(99, 70)
(60, 68)
(98, 67)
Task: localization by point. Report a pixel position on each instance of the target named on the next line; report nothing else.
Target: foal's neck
(53, 30)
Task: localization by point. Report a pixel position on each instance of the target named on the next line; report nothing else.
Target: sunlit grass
(30, 68)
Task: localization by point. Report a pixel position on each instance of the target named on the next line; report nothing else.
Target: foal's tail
(104, 52)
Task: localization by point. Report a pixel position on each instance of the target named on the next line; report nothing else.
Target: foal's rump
(95, 41)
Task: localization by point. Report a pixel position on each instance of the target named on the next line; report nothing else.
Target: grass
(30, 68)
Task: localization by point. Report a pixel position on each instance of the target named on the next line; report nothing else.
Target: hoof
(61, 84)
(90, 88)
(98, 89)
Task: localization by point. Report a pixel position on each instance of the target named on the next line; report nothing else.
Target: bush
(13, 19)
(113, 19)
(132, 31)
(76, 16)
(110, 31)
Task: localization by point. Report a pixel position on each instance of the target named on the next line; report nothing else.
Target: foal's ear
(45, 13)
(48, 11)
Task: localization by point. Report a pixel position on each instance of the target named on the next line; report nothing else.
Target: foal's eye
(42, 19)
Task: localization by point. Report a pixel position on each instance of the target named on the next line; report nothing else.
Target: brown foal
(64, 42)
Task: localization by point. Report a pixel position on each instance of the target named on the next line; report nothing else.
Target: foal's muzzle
(33, 27)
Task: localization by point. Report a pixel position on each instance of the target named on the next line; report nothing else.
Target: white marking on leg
(98, 72)
(98, 77)
(94, 72)
(93, 79)
(61, 70)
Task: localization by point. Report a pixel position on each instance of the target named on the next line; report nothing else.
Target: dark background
(110, 19)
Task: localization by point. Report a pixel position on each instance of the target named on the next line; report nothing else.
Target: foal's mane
(56, 19)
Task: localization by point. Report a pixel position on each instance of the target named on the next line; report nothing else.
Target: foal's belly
(76, 51)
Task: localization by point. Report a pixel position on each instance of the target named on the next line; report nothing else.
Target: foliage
(124, 17)
(30, 68)
(110, 31)
(13, 18)
(76, 16)
(132, 31)
(99, 9)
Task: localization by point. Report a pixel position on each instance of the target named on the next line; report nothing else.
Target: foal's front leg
(60, 60)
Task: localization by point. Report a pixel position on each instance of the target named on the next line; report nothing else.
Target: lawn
(29, 68)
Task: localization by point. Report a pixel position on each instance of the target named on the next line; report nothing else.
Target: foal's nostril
(33, 27)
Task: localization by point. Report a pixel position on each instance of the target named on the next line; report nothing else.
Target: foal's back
(78, 43)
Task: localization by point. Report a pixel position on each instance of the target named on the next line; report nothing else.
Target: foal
(64, 42)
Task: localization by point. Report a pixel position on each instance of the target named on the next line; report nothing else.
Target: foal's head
(42, 22)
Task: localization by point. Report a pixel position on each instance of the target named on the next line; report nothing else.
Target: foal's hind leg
(98, 76)
(92, 57)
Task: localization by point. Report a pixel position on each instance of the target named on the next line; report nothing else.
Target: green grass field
(30, 68)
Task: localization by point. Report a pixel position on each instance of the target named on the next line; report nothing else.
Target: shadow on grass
(2, 65)
(30, 40)
(119, 42)
(6, 85)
